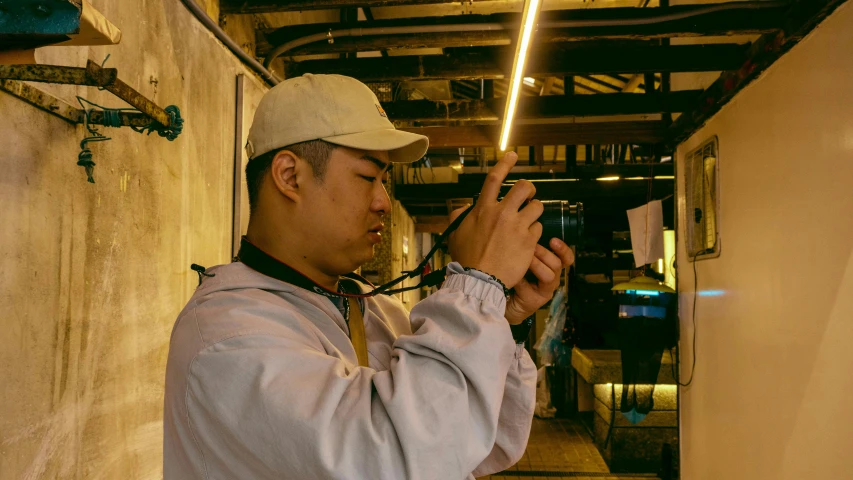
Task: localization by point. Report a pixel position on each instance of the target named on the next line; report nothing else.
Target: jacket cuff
(476, 284)
(521, 331)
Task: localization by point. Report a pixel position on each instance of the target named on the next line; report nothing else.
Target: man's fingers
(521, 192)
(496, 177)
(536, 230)
(549, 258)
(455, 214)
(532, 211)
(543, 272)
(567, 256)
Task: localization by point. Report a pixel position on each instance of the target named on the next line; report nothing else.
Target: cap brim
(402, 147)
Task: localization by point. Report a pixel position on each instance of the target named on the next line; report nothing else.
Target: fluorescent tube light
(608, 179)
(647, 293)
(530, 81)
(543, 180)
(528, 21)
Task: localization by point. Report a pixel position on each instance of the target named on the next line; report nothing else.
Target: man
(265, 379)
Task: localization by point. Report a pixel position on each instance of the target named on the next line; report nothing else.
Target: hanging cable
(693, 321)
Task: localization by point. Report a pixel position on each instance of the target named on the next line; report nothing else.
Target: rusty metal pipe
(223, 37)
(63, 110)
(131, 96)
(101, 77)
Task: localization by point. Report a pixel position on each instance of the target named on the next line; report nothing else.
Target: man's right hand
(495, 237)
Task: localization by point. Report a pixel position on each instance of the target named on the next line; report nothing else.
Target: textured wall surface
(403, 232)
(93, 276)
(774, 319)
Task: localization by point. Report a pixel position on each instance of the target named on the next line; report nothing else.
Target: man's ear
(283, 172)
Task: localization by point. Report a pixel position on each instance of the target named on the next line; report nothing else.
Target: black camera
(562, 220)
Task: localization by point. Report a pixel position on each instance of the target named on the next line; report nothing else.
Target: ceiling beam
(547, 86)
(720, 23)
(604, 202)
(801, 19)
(586, 84)
(632, 84)
(546, 134)
(555, 106)
(496, 62)
(268, 6)
(572, 191)
(579, 172)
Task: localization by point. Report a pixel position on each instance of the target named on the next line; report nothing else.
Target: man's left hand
(546, 267)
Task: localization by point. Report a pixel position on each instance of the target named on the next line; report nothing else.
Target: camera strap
(262, 262)
(356, 332)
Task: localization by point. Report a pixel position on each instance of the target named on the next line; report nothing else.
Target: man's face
(344, 212)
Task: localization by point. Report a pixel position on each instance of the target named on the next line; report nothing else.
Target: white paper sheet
(646, 225)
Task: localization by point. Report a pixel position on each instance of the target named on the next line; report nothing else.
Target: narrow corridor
(561, 449)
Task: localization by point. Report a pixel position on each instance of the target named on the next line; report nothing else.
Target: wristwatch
(521, 331)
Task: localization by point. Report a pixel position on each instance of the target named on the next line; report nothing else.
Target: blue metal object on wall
(32, 23)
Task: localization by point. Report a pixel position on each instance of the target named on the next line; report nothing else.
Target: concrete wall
(403, 230)
(93, 276)
(773, 387)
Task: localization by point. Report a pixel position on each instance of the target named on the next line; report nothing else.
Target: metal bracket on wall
(148, 117)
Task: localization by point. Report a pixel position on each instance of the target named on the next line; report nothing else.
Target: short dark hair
(315, 152)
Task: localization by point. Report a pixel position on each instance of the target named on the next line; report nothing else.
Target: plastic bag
(543, 408)
(550, 348)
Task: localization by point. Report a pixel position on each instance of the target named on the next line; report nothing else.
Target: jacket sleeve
(516, 416)
(263, 406)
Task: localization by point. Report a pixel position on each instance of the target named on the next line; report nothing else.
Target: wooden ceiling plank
(721, 23)
(546, 134)
(496, 62)
(491, 109)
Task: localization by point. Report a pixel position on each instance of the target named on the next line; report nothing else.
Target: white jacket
(262, 382)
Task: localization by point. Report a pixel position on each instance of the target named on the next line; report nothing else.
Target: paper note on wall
(646, 225)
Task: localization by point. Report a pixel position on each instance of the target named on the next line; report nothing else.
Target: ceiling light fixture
(528, 21)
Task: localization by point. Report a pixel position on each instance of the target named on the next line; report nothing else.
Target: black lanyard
(262, 262)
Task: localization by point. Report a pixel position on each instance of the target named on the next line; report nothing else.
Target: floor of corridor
(561, 449)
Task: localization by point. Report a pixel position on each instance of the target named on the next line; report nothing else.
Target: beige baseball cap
(338, 109)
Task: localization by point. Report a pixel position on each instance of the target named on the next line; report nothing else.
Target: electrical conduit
(269, 77)
(480, 27)
(223, 37)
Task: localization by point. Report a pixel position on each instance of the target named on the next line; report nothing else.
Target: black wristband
(521, 331)
(491, 277)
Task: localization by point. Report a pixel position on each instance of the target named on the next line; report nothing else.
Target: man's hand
(498, 237)
(546, 267)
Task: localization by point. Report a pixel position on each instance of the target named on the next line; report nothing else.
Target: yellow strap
(356, 331)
